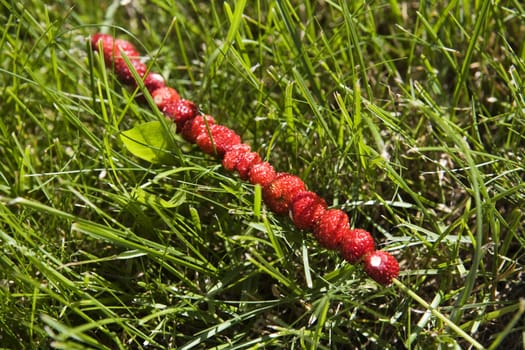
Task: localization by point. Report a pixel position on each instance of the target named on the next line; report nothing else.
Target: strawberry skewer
(282, 192)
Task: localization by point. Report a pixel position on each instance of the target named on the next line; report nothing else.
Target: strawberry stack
(283, 193)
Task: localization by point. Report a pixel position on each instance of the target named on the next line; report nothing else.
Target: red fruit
(306, 208)
(246, 161)
(233, 155)
(261, 173)
(154, 81)
(330, 227)
(217, 140)
(107, 42)
(195, 126)
(98, 36)
(123, 46)
(355, 244)
(381, 267)
(278, 194)
(185, 110)
(166, 98)
(124, 73)
(112, 48)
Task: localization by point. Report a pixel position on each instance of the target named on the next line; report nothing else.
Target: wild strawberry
(233, 155)
(95, 38)
(355, 244)
(246, 161)
(330, 227)
(166, 98)
(306, 208)
(112, 48)
(217, 140)
(194, 127)
(261, 173)
(121, 47)
(381, 267)
(185, 110)
(154, 81)
(106, 42)
(123, 72)
(278, 194)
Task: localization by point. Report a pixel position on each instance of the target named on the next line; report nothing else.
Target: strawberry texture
(113, 51)
(106, 43)
(95, 38)
(233, 155)
(154, 81)
(261, 174)
(185, 110)
(166, 98)
(355, 244)
(217, 140)
(123, 46)
(113, 48)
(246, 161)
(330, 227)
(381, 266)
(306, 208)
(195, 126)
(123, 72)
(278, 194)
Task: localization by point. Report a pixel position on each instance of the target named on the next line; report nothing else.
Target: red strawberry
(99, 36)
(218, 140)
(233, 155)
(107, 42)
(112, 48)
(124, 73)
(246, 161)
(355, 244)
(261, 173)
(330, 227)
(154, 81)
(195, 126)
(381, 267)
(166, 98)
(185, 110)
(123, 46)
(278, 194)
(306, 208)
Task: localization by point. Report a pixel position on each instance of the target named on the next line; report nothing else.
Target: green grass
(410, 116)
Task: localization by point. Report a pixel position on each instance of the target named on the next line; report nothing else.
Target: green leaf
(150, 141)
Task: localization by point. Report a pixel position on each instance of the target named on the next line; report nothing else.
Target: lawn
(409, 116)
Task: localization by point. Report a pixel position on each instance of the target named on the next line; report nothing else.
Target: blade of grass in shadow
(211, 332)
(481, 17)
(510, 325)
(287, 14)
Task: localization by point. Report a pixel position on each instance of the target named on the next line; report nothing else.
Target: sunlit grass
(407, 115)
